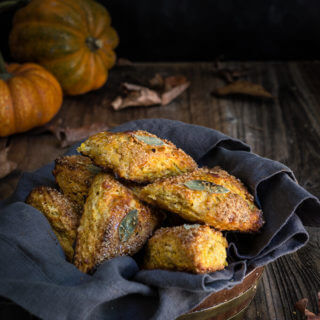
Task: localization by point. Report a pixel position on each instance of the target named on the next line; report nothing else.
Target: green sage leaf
(191, 226)
(208, 186)
(128, 225)
(93, 169)
(152, 141)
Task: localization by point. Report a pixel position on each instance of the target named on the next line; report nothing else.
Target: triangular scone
(213, 197)
(138, 156)
(74, 175)
(114, 223)
(192, 248)
(60, 213)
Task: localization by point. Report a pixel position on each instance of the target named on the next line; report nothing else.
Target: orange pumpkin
(29, 97)
(71, 38)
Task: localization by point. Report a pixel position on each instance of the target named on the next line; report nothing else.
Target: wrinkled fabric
(35, 274)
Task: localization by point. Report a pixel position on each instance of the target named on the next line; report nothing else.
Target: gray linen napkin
(35, 274)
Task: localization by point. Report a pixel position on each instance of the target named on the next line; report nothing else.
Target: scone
(138, 156)
(60, 213)
(192, 248)
(74, 175)
(114, 223)
(213, 197)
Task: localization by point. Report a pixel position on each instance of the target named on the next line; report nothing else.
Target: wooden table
(286, 129)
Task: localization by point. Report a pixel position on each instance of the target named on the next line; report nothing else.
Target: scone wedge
(74, 175)
(213, 197)
(138, 156)
(60, 213)
(192, 248)
(114, 223)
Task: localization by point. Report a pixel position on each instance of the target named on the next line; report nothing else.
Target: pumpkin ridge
(104, 35)
(43, 95)
(83, 84)
(20, 116)
(48, 78)
(13, 115)
(99, 78)
(110, 57)
(75, 32)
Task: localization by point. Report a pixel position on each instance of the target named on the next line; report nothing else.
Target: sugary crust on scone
(233, 209)
(108, 206)
(133, 159)
(60, 213)
(191, 248)
(74, 175)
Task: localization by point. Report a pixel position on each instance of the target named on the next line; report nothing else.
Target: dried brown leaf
(123, 62)
(230, 75)
(6, 165)
(68, 136)
(157, 81)
(242, 87)
(137, 96)
(173, 93)
(174, 81)
(301, 306)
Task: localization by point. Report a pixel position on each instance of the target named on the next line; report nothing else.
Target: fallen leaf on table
(6, 165)
(157, 81)
(174, 81)
(173, 93)
(136, 96)
(243, 88)
(301, 306)
(230, 75)
(123, 62)
(68, 136)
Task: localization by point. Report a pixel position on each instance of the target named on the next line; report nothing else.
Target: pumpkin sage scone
(192, 248)
(138, 156)
(114, 223)
(210, 196)
(60, 213)
(74, 175)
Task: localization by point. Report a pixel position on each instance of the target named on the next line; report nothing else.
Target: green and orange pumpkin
(30, 96)
(73, 39)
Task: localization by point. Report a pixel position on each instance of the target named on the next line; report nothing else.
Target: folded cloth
(35, 274)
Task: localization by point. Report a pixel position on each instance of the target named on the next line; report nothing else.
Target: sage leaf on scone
(210, 196)
(152, 141)
(93, 169)
(128, 225)
(137, 156)
(202, 185)
(114, 223)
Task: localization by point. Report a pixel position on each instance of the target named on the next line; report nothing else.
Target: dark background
(186, 30)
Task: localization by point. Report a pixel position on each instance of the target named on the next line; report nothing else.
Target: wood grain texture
(286, 129)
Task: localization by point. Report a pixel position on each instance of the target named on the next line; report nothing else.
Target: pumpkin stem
(93, 43)
(12, 3)
(4, 74)
(3, 68)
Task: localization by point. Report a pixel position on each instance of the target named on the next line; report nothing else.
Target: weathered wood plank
(288, 280)
(286, 129)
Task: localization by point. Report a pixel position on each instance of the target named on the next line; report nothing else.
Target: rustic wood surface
(286, 129)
